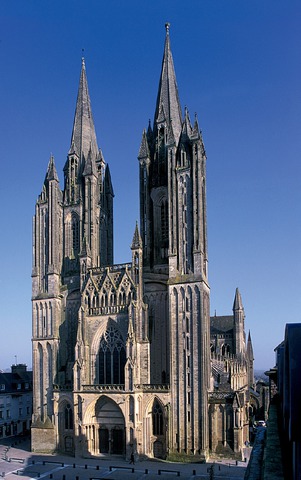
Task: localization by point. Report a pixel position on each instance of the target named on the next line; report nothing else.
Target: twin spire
(168, 104)
(83, 140)
(168, 109)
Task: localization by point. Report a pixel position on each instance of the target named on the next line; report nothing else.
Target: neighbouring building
(125, 356)
(15, 401)
(285, 394)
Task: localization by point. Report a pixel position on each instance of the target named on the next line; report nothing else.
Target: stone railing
(214, 396)
(103, 388)
(150, 387)
(59, 388)
(111, 268)
(109, 310)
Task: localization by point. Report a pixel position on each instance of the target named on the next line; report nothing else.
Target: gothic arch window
(102, 301)
(187, 325)
(112, 357)
(164, 228)
(87, 300)
(131, 409)
(161, 151)
(68, 417)
(105, 299)
(157, 414)
(37, 320)
(75, 234)
(164, 219)
(50, 319)
(40, 393)
(49, 367)
(136, 267)
(139, 409)
(183, 157)
(113, 298)
(225, 349)
(122, 297)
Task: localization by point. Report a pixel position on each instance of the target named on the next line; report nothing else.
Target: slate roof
(221, 323)
(18, 376)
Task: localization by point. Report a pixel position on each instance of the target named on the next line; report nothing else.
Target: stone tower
(174, 233)
(122, 355)
(72, 231)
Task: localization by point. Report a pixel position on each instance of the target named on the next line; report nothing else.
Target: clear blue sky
(238, 65)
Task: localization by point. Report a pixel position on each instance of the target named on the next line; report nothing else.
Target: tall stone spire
(250, 357)
(168, 104)
(239, 325)
(83, 134)
(51, 171)
(237, 305)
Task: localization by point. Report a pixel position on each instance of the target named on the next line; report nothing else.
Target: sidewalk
(19, 460)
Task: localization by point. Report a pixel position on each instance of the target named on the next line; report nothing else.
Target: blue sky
(238, 65)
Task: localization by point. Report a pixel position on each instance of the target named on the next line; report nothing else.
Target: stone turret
(250, 360)
(239, 324)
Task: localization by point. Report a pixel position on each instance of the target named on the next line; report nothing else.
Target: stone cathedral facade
(125, 357)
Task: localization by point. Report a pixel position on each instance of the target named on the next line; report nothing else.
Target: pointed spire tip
(167, 26)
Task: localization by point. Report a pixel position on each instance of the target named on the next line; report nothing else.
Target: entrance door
(110, 420)
(103, 440)
(158, 449)
(117, 444)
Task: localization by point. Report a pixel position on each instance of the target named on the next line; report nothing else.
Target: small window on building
(7, 413)
(157, 419)
(26, 386)
(20, 412)
(68, 417)
(187, 304)
(1, 414)
(187, 324)
(2, 386)
(19, 386)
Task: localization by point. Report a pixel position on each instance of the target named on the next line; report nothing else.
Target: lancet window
(112, 358)
(164, 228)
(68, 414)
(157, 419)
(75, 234)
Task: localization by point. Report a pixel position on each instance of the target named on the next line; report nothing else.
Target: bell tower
(174, 233)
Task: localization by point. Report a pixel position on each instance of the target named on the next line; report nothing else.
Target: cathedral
(126, 358)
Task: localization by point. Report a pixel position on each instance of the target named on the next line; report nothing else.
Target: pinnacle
(108, 182)
(51, 170)
(144, 150)
(90, 166)
(137, 241)
(237, 301)
(187, 128)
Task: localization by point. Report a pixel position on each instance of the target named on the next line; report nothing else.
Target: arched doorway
(66, 432)
(110, 434)
(158, 429)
